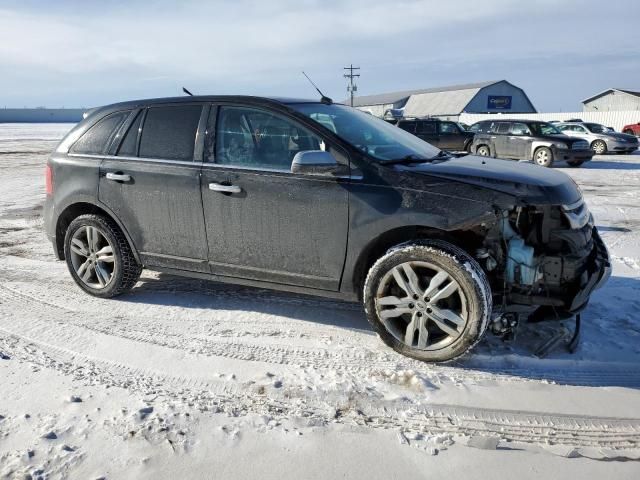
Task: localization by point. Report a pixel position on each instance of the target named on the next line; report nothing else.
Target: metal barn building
(450, 102)
(613, 99)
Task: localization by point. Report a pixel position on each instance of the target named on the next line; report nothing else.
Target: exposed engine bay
(543, 262)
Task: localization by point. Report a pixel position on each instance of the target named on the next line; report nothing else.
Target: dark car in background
(600, 138)
(319, 198)
(444, 134)
(536, 141)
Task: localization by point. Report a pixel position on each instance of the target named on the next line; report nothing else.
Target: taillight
(48, 179)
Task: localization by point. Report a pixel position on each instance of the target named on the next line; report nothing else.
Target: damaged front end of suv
(541, 252)
(543, 263)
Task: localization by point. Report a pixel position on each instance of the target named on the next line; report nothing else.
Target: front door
(152, 184)
(427, 130)
(262, 221)
(450, 136)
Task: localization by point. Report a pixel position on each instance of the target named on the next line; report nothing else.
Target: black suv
(319, 198)
(443, 134)
(540, 142)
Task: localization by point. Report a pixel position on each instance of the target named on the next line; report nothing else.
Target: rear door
(427, 130)
(520, 141)
(152, 184)
(264, 222)
(500, 138)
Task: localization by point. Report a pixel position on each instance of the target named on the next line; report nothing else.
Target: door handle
(218, 187)
(118, 177)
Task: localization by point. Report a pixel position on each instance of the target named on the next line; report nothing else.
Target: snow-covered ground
(192, 379)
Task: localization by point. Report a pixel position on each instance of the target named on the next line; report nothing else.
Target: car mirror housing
(315, 162)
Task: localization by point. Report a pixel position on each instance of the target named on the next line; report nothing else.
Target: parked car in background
(443, 134)
(632, 129)
(540, 142)
(320, 198)
(600, 138)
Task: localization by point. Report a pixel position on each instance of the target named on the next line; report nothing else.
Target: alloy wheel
(421, 305)
(92, 257)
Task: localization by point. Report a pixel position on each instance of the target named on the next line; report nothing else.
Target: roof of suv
(199, 98)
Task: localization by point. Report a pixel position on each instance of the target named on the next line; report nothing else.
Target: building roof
(608, 90)
(393, 97)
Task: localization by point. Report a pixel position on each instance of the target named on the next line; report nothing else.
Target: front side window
(448, 128)
(96, 140)
(378, 139)
(256, 138)
(169, 132)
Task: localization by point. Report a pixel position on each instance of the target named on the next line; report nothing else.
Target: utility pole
(352, 87)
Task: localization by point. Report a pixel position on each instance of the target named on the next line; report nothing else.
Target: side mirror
(314, 162)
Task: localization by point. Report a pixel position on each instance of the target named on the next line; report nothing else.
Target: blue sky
(63, 53)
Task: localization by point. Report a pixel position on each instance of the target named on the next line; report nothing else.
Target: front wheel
(543, 157)
(599, 147)
(99, 257)
(428, 300)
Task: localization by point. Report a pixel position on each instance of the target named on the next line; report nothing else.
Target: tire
(576, 164)
(483, 151)
(543, 157)
(465, 294)
(110, 267)
(599, 147)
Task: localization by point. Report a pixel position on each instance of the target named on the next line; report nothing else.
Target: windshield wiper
(411, 158)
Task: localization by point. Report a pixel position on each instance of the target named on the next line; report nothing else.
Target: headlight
(561, 145)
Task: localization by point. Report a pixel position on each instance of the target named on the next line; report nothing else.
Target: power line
(352, 87)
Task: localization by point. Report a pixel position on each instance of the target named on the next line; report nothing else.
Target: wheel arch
(378, 246)
(73, 211)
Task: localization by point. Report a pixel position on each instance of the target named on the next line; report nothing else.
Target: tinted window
(502, 128)
(257, 138)
(543, 128)
(170, 132)
(98, 137)
(408, 126)
(130, 142)
(448, 127)
(427, 128)
(478, 127)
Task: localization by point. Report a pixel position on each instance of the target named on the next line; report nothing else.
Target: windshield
(596, 128)
(543, 128)
(372, 135)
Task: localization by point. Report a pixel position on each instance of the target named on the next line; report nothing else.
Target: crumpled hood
(530, 183)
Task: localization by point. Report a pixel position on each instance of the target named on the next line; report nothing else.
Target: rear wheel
(483, 151)
(428, 300)
(99, 257)
(543, 157)
(599, 147)
(576, 163)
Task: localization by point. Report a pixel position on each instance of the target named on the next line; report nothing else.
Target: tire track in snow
(619, 434)
(351, 355)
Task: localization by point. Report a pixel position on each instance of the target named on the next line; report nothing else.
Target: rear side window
(97, 138)
(503, 128)
(130, 141)
(427, 128)
(408, 126)
(448, 127)
(170, 132)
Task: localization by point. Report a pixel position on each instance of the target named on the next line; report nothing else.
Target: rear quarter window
(96, 140)
(170, 132)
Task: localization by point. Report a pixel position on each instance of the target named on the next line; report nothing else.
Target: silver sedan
(601, 139)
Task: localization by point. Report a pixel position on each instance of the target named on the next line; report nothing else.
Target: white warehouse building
(612, 100)
(449, 102)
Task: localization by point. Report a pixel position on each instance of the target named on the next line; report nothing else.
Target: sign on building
(499, 102)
